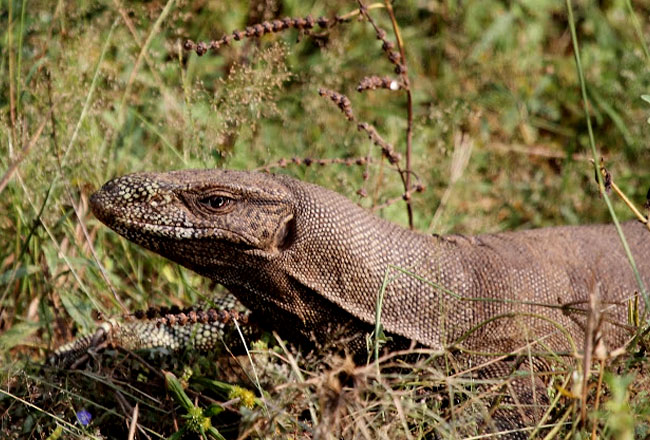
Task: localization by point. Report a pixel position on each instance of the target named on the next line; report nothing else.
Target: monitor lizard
(306, 260)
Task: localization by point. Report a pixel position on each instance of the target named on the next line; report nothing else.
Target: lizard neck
(346, 255)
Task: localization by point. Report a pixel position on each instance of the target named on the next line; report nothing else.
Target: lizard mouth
(139, 229)
(144, 233)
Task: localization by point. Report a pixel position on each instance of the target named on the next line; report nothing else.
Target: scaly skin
(302, 257)
(310, 264)
(203, 327)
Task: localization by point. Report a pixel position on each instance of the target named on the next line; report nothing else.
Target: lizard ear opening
(285, 234)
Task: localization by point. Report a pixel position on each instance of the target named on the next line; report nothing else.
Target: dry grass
(490, 129)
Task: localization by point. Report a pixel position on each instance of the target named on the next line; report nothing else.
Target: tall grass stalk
(595, 156)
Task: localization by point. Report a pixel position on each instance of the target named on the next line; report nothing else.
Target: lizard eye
(215, 202)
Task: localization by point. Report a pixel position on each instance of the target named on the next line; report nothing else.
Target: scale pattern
(203, 328)
(306, 261)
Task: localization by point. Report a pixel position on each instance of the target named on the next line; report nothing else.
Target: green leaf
(78, 308)
(178, 435)
(216, 434)
(20, 272)
(175, 387)
(17, 335)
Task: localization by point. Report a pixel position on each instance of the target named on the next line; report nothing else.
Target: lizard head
(203, 219)
(300, 254)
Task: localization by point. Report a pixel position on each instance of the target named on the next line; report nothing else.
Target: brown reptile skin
(305, 260)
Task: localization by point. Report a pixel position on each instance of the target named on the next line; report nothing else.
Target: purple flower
(84, 417)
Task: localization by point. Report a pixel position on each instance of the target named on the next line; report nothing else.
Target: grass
(94, 89)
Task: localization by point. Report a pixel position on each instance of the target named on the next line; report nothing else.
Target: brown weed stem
(609, 183)
(399, 60)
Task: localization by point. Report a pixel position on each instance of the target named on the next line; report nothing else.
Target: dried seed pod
(387, 46)
(308, 161)
(189, 45)
(302, 24)
(201, 48)
(387, 149)
(277, 25)
(376, 82)
(259, 30)
(607, 178)
(342, 101)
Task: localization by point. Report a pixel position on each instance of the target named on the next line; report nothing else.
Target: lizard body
(307, 261)
(305, 258)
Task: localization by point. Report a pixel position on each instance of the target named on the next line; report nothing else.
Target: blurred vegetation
(94, 89)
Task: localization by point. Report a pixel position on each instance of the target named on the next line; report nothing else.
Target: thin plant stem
(356, 12)
(69, 427)
(378, 327)
(20, 54)
(141, 56)
(12, 91)
(90, 94)
(400, 64)
(630, 205)
(597, 404)
(594, 152)
(409, 110)
(13, 166)
(637, 30)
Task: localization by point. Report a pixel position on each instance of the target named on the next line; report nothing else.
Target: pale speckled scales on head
(306, 259)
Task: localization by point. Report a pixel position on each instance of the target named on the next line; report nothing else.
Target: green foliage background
(94, 89)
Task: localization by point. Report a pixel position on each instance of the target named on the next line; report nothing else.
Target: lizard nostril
(96, 203)
(112, 184)
(98, 199)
